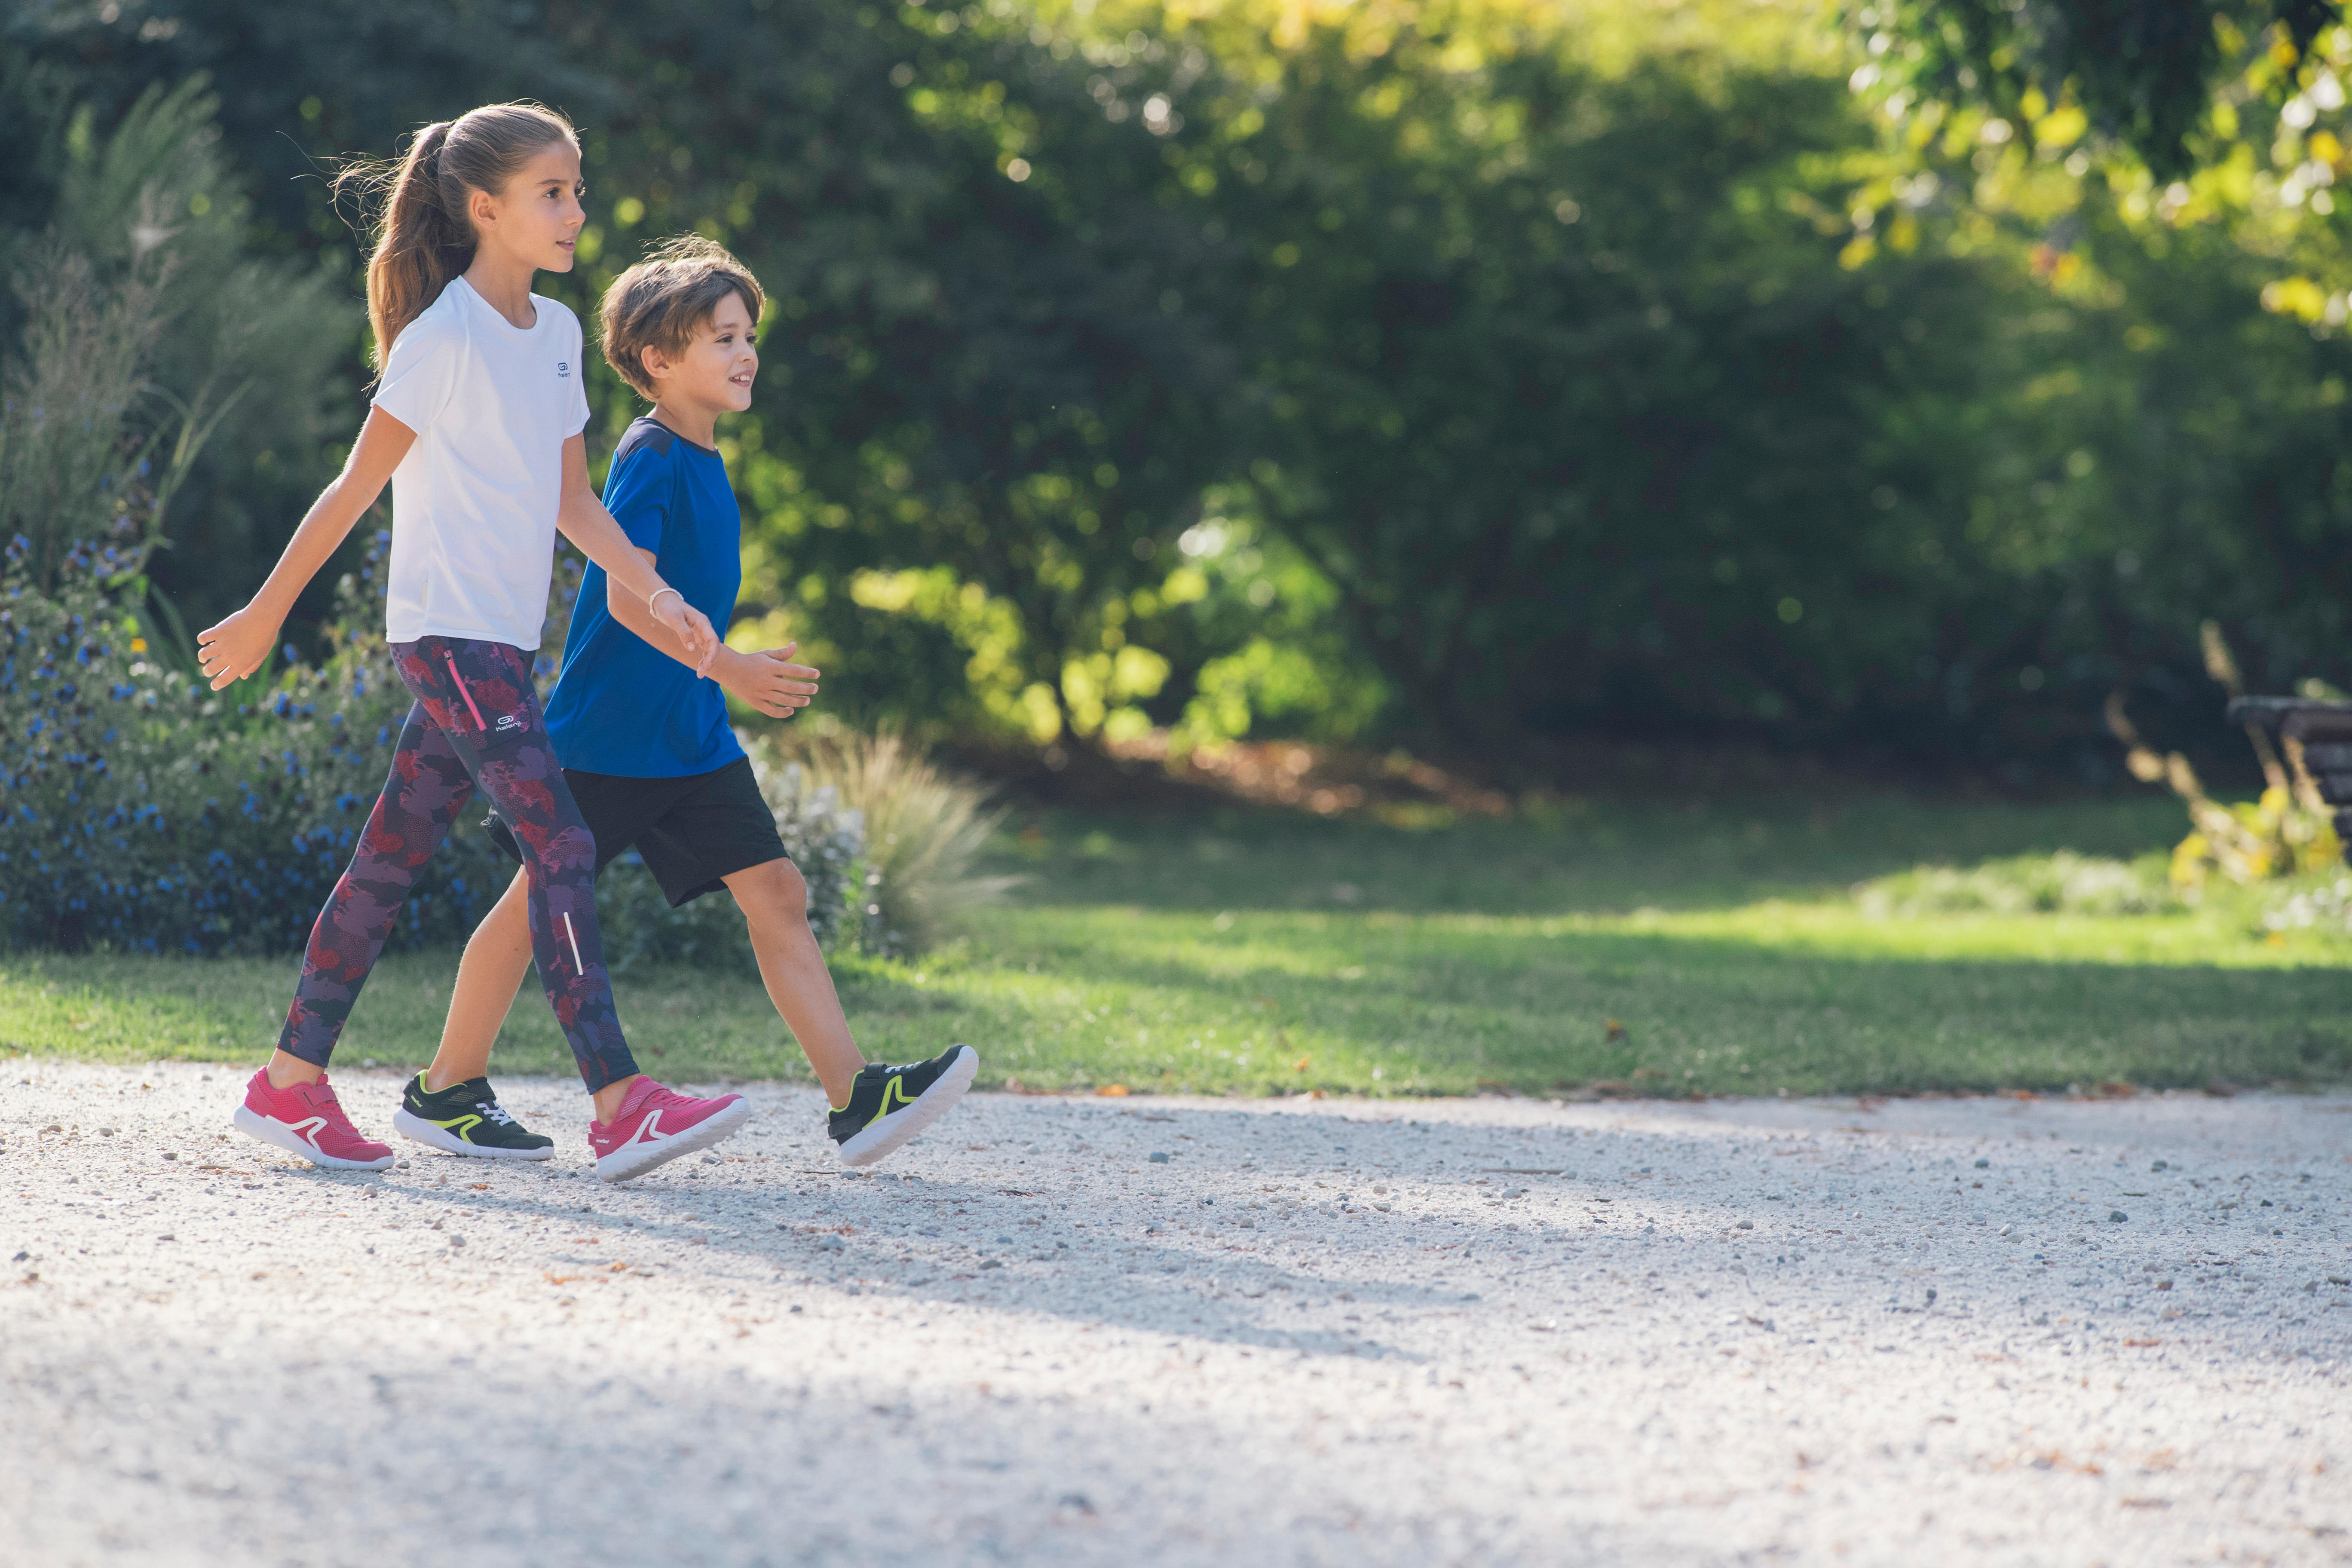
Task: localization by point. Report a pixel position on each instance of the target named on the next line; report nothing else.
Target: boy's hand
(690, 626)
(237, 646)
(768, 682)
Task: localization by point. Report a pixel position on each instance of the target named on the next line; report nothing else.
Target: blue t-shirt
(621, 705)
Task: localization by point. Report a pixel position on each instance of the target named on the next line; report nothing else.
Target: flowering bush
(139, 811)
(2252, 841)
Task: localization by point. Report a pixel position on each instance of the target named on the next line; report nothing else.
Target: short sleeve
(421, 375)
(576, 416)
(640, 493)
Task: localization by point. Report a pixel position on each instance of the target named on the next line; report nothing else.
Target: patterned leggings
(476, 724)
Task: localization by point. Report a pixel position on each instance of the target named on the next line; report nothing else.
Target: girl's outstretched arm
(585, 522)
(236, 647)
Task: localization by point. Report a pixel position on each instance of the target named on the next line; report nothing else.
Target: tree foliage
(2145, 73)
(1480, 368)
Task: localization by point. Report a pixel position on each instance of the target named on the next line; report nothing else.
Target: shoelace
(321, 1098)
(495, 1111)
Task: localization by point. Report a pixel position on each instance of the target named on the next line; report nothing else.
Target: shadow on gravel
(1219, 1271)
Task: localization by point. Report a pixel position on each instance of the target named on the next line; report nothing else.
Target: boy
(646, 746)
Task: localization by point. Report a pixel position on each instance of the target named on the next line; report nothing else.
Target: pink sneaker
(655, 1125)
(305, 1119)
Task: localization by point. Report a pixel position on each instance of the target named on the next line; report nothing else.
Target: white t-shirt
(474, 502)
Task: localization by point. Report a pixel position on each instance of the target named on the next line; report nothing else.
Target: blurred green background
(1475, 375)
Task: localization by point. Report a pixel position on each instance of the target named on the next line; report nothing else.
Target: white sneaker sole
(637, 1159)
(410, 1125)
(895, 1131)
(253, 1124)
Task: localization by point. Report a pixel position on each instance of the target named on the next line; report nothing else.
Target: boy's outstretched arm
(762, 680)
(236, 647)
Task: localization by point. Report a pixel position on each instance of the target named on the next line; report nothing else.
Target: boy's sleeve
(421, 374)
(638, 493)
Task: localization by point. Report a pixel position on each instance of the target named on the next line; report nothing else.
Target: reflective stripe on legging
(476, 724)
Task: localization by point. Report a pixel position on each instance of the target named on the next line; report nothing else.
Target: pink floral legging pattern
(476, 725)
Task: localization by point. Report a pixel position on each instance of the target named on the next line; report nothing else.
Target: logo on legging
(508, 722)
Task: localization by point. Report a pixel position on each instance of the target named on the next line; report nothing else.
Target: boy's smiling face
(713, 373)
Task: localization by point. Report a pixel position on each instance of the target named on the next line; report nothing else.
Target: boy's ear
(653, 362)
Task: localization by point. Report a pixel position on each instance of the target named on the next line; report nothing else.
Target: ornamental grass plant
(925, 827)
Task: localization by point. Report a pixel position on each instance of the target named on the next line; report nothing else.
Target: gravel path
(1487, 1332)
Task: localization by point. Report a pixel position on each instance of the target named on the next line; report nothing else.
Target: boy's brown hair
(661, 302)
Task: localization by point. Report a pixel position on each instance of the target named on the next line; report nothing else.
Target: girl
(477, 422)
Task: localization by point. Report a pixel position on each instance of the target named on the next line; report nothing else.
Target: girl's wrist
(272, 601)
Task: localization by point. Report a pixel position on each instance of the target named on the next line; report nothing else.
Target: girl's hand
(690, 626)
(236, 647)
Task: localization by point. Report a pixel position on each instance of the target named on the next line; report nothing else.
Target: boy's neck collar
(694, 429)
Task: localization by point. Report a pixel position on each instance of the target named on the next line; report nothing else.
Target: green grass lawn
(1672, 950)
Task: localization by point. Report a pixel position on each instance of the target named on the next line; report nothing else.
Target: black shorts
(692, 832)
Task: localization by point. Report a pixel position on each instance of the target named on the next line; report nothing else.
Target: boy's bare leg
(774, 902)
(498, 957)
(497, 961)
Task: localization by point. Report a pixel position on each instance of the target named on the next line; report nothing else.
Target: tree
(2145, 73)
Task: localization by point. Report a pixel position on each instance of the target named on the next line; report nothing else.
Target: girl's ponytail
(418, 246)
(424, 237)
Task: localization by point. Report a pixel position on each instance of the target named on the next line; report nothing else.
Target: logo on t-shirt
(563, 368)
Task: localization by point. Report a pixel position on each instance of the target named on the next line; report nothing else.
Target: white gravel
(1487, 1331)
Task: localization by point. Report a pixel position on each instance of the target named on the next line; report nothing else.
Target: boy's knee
(775, 891)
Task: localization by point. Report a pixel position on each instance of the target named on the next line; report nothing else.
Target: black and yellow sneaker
(887, 1106)
(466, 1119)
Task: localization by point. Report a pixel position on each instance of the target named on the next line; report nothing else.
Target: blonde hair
(661, 302)
(425, 236)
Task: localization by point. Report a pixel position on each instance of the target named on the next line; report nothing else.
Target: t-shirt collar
(490, 312)
(691, 444)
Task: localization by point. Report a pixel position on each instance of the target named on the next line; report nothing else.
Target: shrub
(2287, 831)
(825, 840)
(924, 827)
(139, 810)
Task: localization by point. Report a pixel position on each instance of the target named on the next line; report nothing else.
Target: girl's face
(536, 219)
(716, 368)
